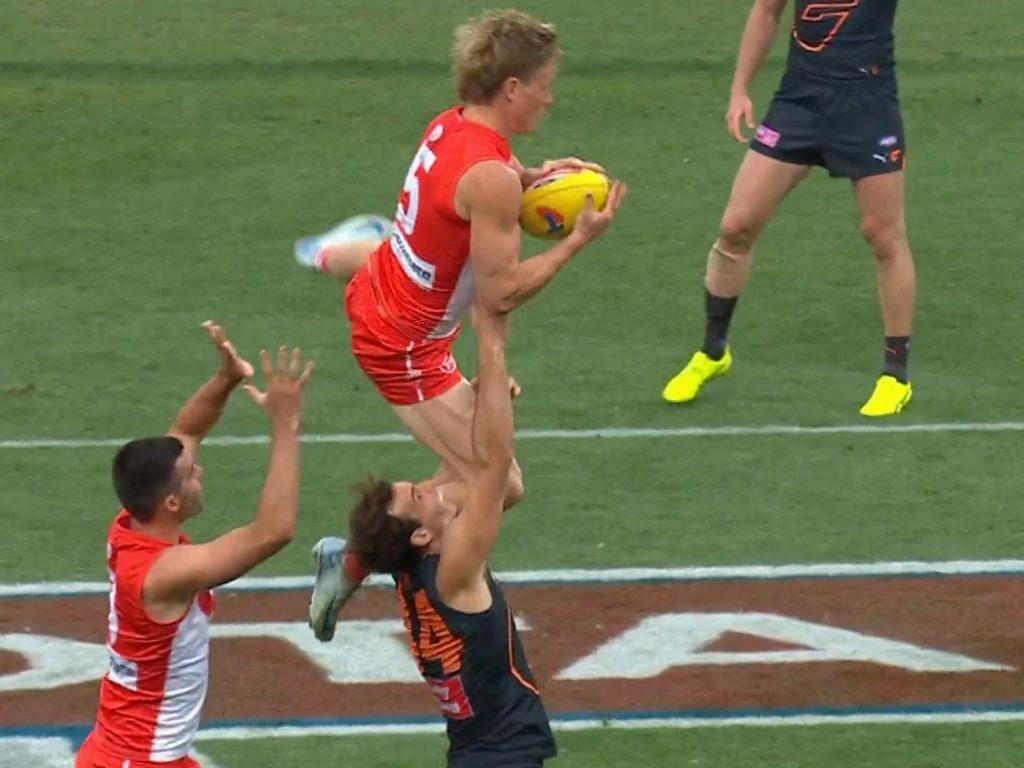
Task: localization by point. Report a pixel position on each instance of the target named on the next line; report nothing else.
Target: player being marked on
(435, 546)
(455, 240)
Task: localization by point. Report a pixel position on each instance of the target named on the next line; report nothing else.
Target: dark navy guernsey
(838, 103)
(477, 671)
(843, 39)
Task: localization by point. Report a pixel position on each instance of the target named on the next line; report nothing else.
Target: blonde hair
(499, 45)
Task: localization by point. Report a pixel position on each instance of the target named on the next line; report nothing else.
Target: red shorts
(91, 755)
(405, 372)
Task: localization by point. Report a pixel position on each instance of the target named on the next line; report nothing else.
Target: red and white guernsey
(153, 693)
(421, 277)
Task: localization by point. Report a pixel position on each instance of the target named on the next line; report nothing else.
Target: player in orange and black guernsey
(435, 542)
(836, 107)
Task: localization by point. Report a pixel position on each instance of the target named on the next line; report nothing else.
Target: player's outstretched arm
(198, 416)
(492, 195)
(470, 536)
(184, 570)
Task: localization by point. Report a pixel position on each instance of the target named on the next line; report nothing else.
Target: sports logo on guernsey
(418, 270)
(448, 365)
(451, 695)
(555, 220)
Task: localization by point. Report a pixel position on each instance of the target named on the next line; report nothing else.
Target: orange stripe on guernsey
(434, 642)
(837, 12)
(407, 616)
(512, 661)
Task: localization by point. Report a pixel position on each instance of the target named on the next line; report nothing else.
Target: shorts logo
(888, 141)
(448, 365)
(893, 157)
(554, 220)
(767, 136)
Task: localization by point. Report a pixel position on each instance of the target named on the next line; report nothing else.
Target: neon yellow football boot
(889, 398)
(687, 384)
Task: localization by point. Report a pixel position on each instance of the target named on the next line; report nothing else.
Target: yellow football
(552, 203)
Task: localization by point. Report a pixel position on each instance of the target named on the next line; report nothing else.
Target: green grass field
(159, 161)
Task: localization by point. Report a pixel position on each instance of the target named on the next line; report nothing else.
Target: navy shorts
(853, 130)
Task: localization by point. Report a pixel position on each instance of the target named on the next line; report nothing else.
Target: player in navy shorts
(435, 541)
(837, 107)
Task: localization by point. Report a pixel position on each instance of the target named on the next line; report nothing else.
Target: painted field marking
(607, 433)
(653, 720)
(598, 576)
(584, 721)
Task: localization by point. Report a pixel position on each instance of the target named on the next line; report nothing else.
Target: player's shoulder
(121, 521)
(453, 134)
(445, 122)
(491, 183)
(121, 537)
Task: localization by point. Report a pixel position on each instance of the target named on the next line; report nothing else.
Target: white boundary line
(215, 733)
(609, 433)
(240, 733)
(599, 576)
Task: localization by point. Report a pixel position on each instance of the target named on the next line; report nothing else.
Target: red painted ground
(265, 678)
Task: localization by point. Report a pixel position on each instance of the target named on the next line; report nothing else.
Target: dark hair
(143, 474)
(380, 539)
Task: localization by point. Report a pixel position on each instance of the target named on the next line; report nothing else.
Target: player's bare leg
(761, 184)
(881, 202)
(344, 260)
(446, 474)
(341, 251)
(445, 425)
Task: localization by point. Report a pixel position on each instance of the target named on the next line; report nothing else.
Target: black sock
(718, 313)
(897, 353)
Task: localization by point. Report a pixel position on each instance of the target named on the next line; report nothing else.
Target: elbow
(515, 488)
(508, 302)
(500, 303)
(496, 456)
(278, 537)
(285, 535)
(503, 458)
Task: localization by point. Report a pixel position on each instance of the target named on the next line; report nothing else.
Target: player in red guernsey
(151, 698)
(455, 239)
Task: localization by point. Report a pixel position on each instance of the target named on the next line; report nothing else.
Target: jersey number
(112, 623)
(409, 204)
(835, 14)
(436, 648)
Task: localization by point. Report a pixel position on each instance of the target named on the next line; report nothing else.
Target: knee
(886, 236)
(737, 232)
(514, 489)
